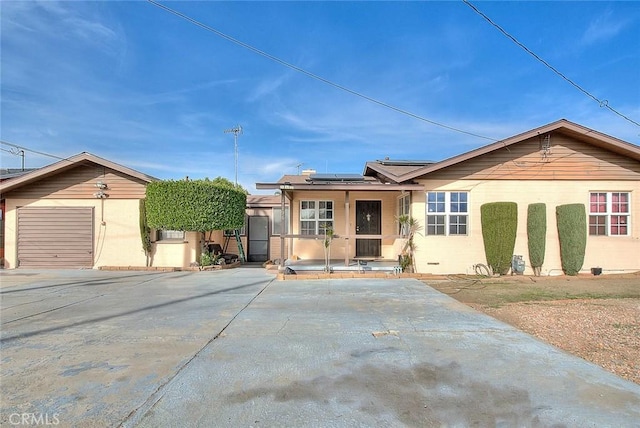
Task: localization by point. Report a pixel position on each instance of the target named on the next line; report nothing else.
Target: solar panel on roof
(336, 177)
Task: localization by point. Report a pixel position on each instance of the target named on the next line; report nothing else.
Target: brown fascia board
(66, 164)
(588, 135)
(341, 186)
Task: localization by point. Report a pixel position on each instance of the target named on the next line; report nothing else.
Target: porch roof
(363, 183)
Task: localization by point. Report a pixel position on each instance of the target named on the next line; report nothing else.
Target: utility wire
(313, 75)
(603, 103)
(31, 151)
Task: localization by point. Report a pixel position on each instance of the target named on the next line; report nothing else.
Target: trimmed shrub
(572, 232)
(145, 231)
(196, 205)
(536, 233)
(499, 226)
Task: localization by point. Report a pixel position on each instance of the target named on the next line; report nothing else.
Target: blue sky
(137, 85)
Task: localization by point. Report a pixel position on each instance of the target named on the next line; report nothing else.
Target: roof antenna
(298, 166)
(235, 131)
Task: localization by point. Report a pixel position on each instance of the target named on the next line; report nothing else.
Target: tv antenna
(235, 131)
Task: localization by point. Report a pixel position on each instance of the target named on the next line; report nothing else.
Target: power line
(32, 151)
(313, 75)
(603, 103)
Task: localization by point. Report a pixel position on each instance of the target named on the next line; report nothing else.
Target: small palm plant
(328, 237)
(409, 226)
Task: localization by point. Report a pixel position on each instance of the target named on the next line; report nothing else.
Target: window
(609, 213)
(447, 213)
(167, 235)
(404, 209)
(315, 217)
(277, 219)
(231, 232)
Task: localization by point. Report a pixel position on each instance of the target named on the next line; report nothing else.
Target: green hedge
(572, 232)
(536, 233)
(499, 225)
(196, 205)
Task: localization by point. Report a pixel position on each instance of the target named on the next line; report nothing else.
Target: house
(559, 163)
(84, 212)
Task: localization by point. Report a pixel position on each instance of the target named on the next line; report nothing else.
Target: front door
(258, 237)
(368, 222)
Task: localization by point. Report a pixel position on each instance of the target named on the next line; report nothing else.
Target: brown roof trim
(585, 134)
(66, 164)
(364, 187)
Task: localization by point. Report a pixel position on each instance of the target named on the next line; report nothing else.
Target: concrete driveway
(236, 348)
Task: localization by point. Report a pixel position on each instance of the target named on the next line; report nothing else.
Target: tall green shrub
(196, 205)
(536, 233)
(572, 232)
(145, 231)
(499, 225)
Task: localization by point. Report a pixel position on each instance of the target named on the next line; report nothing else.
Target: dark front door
(258, 239)
(368, 222)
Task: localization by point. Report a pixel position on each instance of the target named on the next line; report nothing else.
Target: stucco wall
(116, 234)
(458, 254)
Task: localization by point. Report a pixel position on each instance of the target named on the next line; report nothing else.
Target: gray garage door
(56, 237)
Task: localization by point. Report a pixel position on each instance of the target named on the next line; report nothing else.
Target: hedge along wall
(197, 205)
(499, 226)
(536, 234)
(572, 232)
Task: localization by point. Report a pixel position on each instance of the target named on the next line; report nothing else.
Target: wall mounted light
(100, 194)
(101, 185)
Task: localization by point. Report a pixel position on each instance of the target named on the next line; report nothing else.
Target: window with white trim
(447, 213)
(315, 217)
(404, 209)
(170, 235)
(609, 213)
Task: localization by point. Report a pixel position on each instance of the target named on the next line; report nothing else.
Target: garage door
(56, 237)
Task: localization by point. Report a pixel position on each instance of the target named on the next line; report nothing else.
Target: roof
(67, 164)
(258, 201)
(404, 173)
(7, 173)
(335, 182)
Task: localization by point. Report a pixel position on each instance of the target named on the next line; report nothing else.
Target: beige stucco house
(559, 163)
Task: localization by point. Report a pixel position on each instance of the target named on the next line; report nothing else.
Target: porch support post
(346, 228)
(283, 228)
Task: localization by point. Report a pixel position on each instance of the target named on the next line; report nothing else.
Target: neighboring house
(83, 212)
(559, 163)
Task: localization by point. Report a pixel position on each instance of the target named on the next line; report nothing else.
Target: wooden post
(346, 228)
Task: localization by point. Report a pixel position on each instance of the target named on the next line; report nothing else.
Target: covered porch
(351, 219)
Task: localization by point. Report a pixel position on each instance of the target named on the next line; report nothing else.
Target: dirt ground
(594, 317)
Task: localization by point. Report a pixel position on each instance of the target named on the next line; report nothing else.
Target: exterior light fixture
(101, 185)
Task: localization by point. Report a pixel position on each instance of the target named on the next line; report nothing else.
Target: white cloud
(604, 27)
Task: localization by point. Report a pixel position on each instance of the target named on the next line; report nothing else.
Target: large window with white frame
(404, 209)
(447, 213)
(315, 217)
(609, 213)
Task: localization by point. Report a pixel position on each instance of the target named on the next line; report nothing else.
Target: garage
(55, 237)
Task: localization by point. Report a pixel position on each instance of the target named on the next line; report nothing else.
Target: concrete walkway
(235, 348)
